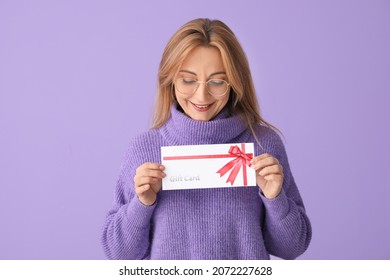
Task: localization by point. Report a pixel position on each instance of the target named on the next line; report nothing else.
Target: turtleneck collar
(182, 130)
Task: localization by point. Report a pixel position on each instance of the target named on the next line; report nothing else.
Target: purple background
(78, 80)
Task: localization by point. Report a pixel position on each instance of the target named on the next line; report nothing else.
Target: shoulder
(145, 143)
(267, 135)
(146, 139)
(271, 143)
(270, 140)
(141, 148)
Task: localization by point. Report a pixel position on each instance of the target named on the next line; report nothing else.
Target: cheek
(223, 101)
(179, 99)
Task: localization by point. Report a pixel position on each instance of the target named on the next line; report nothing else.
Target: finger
(274, 177)
(267, 161)
(273, 169)
(150, 173)
(150, 165)
(259, 157)
(139, 181)
(141, 190)
(262, 157)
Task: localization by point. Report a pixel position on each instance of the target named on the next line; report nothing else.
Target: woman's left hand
(269, 175)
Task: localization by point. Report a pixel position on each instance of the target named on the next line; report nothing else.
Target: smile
(201, 107)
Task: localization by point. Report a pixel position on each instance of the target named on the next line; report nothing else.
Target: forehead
(203, 59)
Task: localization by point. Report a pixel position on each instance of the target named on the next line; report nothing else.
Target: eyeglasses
(215, 87)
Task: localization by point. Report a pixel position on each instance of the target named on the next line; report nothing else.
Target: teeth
(201, 107)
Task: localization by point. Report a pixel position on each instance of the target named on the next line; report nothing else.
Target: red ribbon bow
(242, 159)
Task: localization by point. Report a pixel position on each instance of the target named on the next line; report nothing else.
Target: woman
(206, 96)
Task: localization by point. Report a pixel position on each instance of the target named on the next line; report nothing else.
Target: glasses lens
(186, 86)
(217, 87)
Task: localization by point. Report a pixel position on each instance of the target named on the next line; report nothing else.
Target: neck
(182, 130)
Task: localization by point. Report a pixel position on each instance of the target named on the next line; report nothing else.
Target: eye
(188, 81)
(216, 83)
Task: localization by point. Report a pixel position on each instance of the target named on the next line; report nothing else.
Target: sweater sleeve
(287, 229)
(126, 230)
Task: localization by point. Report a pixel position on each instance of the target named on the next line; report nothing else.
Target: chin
(197, 116)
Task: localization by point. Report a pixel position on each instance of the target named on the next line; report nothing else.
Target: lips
(201, 107)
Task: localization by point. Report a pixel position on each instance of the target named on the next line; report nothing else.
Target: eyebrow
(193, 73)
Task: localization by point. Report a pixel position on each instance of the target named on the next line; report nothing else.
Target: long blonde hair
(206, 32)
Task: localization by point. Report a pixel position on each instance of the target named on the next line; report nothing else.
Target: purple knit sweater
(221, 223)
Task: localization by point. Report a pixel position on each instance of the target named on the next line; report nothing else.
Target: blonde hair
(206, 32)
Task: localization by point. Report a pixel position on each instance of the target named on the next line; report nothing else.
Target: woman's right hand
(147, 182)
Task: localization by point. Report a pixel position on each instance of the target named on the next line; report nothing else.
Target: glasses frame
(199, 83)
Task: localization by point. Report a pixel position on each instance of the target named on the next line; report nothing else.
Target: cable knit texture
(214, 223)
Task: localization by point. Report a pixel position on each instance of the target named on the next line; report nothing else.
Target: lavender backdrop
(78, 79)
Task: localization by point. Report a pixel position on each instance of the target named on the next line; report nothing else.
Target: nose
(201, 93)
